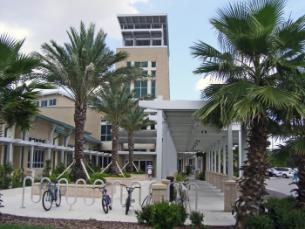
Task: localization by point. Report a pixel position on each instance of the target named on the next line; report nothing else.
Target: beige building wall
(158, 54)
(64, 112)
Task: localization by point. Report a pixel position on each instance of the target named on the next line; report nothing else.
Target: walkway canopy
(179, 133)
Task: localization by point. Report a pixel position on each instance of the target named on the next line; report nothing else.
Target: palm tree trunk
(300, 162)
(79, 120)
(130, 149)
(114, 156)
(252, 184)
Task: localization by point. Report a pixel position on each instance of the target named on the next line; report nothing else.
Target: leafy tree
(81, 66)
(259, 51)
(134, 120)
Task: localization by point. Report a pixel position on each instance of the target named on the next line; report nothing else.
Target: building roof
(141, 26)
(57, 91)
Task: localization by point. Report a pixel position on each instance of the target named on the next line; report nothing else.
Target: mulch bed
(78, 224)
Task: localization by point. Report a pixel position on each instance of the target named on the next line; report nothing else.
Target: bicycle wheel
(105, 205)
(58, 198)
(127, 205)
(146, 201)
(47, 200)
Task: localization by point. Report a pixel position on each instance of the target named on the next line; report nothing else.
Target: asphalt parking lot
(281, 185)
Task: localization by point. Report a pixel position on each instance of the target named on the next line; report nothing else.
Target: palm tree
(260, 50)
(114, 101)
(133, 121)
(81, 66)
(17, 93)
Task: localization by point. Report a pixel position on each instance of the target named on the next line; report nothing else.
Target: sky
(39, 21)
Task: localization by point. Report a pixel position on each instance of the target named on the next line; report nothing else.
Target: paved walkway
(210, 202)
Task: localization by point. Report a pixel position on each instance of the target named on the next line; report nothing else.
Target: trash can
(171, 188)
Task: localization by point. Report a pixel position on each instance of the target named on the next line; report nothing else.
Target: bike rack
(75, 197)
(140, 190)
(66, 185)
(23, 189)
(193, 184)
(115, 183)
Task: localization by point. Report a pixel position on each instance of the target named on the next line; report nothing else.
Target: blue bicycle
(51, 194)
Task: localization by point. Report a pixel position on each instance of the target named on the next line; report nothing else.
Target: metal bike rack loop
(192, 184)
(23, 189)
(140, 190)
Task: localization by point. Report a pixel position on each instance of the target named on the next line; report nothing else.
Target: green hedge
(163, 215)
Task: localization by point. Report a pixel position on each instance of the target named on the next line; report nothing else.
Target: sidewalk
(210, 202)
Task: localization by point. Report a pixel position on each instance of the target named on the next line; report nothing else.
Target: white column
(62, 156)
(215, 159)
(10, 153)
(219, 158)
(224, 156)
(230, 152)
(207, 158)
(96, 160)
(159, 142)
(31, 157)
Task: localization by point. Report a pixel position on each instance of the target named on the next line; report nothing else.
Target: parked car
(282, 172)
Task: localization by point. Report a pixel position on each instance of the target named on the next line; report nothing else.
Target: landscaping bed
(76, 224)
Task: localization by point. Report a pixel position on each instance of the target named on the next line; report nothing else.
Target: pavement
(210, 202)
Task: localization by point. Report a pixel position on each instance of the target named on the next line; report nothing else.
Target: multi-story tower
(145, 39)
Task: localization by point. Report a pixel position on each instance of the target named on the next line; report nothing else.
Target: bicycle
(51, 194)
(147, 201)
(129, 199)
(106, 199)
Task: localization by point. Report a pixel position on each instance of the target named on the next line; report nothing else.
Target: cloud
(41, 21)
(204, 82)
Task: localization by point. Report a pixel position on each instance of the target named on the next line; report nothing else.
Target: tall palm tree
(114, 101)
(260, 50)
(17, 97)
(81, 66)
(134, 120)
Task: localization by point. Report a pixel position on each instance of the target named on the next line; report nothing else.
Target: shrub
(180, 177)
(47, 168)
(95, 176)
(16, 178)
(201, 176)
(145, 216)
(260, 221)
(197, 219)
(5, 174)
(162, 215)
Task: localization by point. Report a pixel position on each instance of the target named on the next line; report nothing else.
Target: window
(52, 102)
(152, 127)
(128, 42)
(37, 159)
(153, 73)
(142, 42)
(128, 64)
(156, 42)
(141, 64)
(153, 88)
(153, 64)
(105, 131)
(140, 88)
(44, 103)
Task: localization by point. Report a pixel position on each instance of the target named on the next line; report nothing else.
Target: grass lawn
(17, 226)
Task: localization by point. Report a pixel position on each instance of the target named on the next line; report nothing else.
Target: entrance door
(143, 166)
